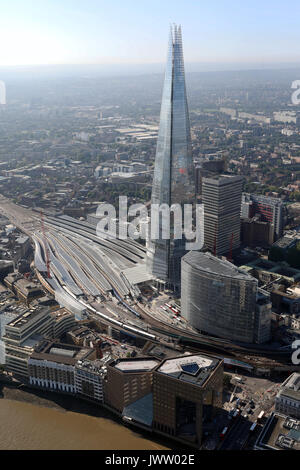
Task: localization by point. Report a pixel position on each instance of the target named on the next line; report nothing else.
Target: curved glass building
(218, 298)
(173, 180)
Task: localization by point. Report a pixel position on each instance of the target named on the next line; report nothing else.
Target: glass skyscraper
(173, 180)
(218, 298)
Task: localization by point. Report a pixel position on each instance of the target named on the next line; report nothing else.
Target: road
(237, 435)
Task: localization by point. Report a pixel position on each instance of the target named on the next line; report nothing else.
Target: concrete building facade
(270, 209)
(221, 197)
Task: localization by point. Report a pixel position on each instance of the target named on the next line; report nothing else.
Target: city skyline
(149, 228)
(97, 33)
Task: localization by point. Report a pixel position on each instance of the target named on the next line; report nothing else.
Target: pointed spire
(173, 179)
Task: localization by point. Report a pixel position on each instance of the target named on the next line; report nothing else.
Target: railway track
(189, 339)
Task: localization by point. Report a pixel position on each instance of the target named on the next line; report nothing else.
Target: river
(26, 426)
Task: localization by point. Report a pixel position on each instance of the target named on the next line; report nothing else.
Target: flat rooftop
(285, 242)
(193, 368)
(137, 274)
(293, 382)
(26, 316)
(279, 433)
(60, 313)
(291, 387)
(61, 353)
(220, 180)
(136, 365)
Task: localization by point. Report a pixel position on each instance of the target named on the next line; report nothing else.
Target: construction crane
(47, 254)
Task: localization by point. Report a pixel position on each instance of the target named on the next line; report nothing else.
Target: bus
(253, 426)
(222, 435)
(260, 416)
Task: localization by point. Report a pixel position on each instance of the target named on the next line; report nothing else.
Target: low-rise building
(89, 378)
(280, 432)
(288, 398)
(256, 232)
(52, 366)
(22, 335)
(285, 301)
(24, 289)
(63, 321)
(6, 267)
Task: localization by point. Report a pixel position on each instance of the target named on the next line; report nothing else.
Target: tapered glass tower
(173, 180)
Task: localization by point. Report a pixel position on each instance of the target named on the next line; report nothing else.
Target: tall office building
(187, 394)
(222, 300)
(173, 180)
(270, 209)
(221, 197)
(208, 167)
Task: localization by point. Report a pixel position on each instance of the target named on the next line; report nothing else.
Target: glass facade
(218, 298)
(173, 180)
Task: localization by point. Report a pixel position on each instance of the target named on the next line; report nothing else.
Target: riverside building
(26, 331)
(187, 393)
(52, 366)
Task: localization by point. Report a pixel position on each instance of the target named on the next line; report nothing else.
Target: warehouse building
(52, 366)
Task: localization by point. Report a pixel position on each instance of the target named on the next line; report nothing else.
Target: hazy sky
(136, 31)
